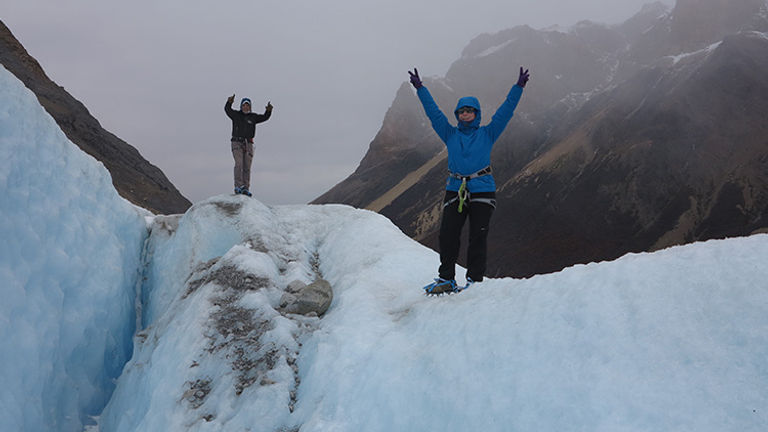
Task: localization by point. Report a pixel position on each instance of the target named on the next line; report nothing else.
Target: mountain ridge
(631, 140)
(134, 177)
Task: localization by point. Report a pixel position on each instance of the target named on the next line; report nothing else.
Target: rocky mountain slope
(134, 177)
(631, 137)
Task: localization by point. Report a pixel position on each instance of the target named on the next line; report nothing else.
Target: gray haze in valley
(157, 73)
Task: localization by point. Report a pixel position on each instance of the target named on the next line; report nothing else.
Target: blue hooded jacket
(469, 145)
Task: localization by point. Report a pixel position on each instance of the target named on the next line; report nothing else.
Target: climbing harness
(464, 192)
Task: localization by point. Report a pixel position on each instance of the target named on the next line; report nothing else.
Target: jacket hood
(469, 101)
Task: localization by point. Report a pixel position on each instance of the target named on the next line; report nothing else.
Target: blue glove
(415, 80)
(524, 77)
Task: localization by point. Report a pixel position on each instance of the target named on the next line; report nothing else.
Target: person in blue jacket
(471, 190)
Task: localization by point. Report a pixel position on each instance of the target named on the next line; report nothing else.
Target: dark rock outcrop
(134, 177)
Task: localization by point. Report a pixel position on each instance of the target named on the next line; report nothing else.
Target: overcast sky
(157, 73)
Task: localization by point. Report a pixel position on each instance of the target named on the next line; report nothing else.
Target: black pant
(479, 214)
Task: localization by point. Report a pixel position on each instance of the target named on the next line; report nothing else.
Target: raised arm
(507, 109)
(267, 113)
(228, 106)
(436, 117)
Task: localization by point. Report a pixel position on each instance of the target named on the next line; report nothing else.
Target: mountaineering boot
(440, 286)
(244, 190)
(470, 282)
(238, 191)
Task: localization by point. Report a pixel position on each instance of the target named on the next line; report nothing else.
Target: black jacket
(244, 125)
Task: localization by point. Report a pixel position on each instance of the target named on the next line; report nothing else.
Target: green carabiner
(462, 194)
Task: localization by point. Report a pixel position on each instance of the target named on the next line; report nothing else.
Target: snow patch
(648, 29)
(488, 51)
(557, 28)
(443, 82)
(705, 51)
(762, 35)
(576, 100)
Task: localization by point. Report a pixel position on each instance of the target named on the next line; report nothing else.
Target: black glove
(269, 107)
(524, 77)
(231, 99)
(415, 80)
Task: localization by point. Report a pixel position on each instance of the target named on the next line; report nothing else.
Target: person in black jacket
(243, 130)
